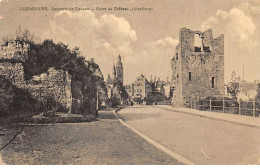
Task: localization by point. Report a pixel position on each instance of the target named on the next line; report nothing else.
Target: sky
(146, 40)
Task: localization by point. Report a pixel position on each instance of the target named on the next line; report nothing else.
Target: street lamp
(97, 105)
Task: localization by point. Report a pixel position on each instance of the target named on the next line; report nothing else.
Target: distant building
(141, 88)
(130, 89)
(198, 67)
(247, 90)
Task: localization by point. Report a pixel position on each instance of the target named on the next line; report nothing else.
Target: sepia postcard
(129, 82)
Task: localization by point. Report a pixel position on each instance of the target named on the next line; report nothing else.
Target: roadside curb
(210, 117)
(154, 143)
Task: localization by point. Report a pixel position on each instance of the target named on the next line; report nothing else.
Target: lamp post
(97, 105)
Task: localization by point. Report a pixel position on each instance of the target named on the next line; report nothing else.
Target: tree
(121, 89)
(234, 85)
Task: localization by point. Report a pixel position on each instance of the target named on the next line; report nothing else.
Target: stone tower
(119, 70)
(198, 67)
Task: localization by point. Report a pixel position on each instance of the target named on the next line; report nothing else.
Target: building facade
(141, 87)
(247, 90)
(198, 67)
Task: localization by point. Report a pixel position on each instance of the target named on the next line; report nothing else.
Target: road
(200, 140)
(102, 142)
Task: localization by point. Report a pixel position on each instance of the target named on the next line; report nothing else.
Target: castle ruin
(54, 83)
(198, 67)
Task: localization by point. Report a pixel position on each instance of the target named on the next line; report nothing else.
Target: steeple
(114, 72)
(119, 61)
(119, 70)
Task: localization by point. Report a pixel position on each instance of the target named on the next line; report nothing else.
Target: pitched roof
(246, 86)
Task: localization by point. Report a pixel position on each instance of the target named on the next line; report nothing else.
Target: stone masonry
(198, 67)
(54, 83)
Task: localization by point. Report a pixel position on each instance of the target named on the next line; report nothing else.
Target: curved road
(105, 141)
(201, 140)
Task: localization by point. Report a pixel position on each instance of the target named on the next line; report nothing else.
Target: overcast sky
(146, 40)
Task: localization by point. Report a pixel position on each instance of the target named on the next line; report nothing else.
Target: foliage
(234, 86)
(155, 97)
(121, 89)
(115, 101)
(21, 34)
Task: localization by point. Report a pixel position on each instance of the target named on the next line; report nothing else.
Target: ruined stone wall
(54, 83)
(195, 69)
(177, 77)
(14, 72)
(14, 49)
(207, 38)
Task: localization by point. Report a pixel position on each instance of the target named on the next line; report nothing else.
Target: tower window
(197, 43)
(189, 76)
(176, 56)
(213, 82)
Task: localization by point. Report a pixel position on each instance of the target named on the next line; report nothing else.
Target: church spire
(114, 72)
(119, 59)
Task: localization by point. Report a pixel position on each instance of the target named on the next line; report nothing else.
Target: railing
(249, 108)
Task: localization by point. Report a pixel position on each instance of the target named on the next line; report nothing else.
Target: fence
(249, 108)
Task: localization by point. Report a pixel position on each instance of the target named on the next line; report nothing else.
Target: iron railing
(249, 108)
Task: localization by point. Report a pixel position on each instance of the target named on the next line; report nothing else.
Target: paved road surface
(103, 142)
(201, 140)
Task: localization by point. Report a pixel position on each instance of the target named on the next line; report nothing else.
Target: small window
(176, 56)
(189, 76)
(213, 82)
(177, 79)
